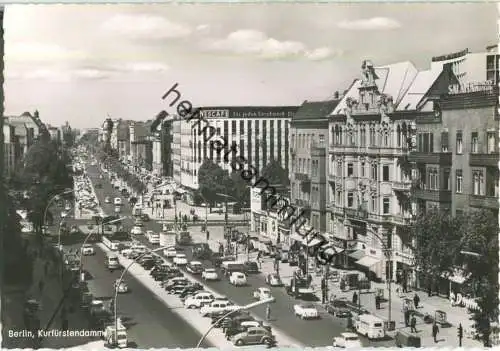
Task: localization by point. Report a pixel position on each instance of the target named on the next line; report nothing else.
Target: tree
(437, 243)
(275, 174)
(480, 260)
(240, 190)
(213, 180)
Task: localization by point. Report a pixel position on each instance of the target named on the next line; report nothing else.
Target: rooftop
(315, 109)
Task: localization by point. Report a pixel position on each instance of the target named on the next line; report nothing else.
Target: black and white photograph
(243, 176)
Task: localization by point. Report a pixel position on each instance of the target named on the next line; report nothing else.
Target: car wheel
(239, 342)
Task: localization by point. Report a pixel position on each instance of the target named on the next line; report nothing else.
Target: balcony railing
(440, 158)
(401, 185)
(433, 195)
(356, 213)
(483, 159)
(482, 201)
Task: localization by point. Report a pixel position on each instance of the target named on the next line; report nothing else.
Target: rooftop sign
(472, 87)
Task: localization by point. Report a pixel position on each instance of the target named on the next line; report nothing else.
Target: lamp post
(118, 282)
(242, 308)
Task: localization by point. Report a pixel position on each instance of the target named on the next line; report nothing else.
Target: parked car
(144, 217)
(198, 300)
(121, 287)
(136, 230)
(88, 250)
(217, 307)
(171, 252)
(273, 279)
(190, 289)
(305, 311)
(262, 294)
(254, 336)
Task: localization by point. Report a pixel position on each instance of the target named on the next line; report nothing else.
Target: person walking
(268, 312)
(413, 324)
(416, 300)
(208, 235)
(355, 298)
(435, 331)
(377, 302)
(323, 291)
(259, 259)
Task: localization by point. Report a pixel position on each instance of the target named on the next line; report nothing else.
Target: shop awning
(312, 242)
(367, 261)
(357, 255)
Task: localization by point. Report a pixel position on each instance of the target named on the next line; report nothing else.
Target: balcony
(483, 160)
(401, 185)
(356, 213)
(437, 158)
(482, 201)
(433, 195)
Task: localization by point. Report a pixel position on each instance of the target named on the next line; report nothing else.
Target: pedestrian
(416, 300)
(377, 302)
(208, 235)
(435, 331)
(405, 286)
(323, 291)
(354, 298)
(407, 317)
(429, 289)
(413, 324)
(268, 312)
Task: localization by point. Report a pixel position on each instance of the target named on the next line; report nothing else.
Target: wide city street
(316, 333)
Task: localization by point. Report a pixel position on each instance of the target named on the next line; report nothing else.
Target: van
(370, 326)
(112, 262)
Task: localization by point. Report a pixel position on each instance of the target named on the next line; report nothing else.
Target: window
(233, 127)
(387, 205)
(374, 172)
(385, 173)
(362, 169)
(362, 140)
(444, 142)
(433, 179)
(374, 203)
(478, 182)
(352, 138)
(372, 136)
(398, 131)
(293, 140)
(446, 179)
(339, 198)
(490, 136)
(386, 139)
(459, 181)
(350, 200)
(339, 169)
(425, 142)
(218, 131)
(350, 170)
(459, 143)
(242, 127)
(321, 139)
(474, 141)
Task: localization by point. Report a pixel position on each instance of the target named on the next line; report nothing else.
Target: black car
(338, 308)
(176, 285)
(148, 264)
(145, 217)
(251, 267)
(236, 318)
(158, 272)
(190, 289)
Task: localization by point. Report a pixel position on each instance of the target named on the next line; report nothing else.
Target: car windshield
(352, 338)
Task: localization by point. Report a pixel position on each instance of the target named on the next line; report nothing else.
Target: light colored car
(217, 307)
(171, 252)
(209, 274)
(136, 230)
(107, 200)
(262, 294)
(117, 201)
(195, 267)
(238, 279)
(180, 259)
(88, 250)
(305, 311)
(254, 336)
(199, 299)
(347, 341)
(122, 287)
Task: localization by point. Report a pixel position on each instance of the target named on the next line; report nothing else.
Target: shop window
(387, 205)
(459, 181)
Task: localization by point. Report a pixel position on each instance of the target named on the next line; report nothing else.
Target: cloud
(145, 27)
(203, 27)
(33, 51)
(375, 23)
(144, 67)
(256, 43)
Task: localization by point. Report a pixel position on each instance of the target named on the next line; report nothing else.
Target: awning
(367, 261)
(357, 255)
(296, 237)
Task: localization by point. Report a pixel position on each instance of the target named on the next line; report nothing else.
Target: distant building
(123, 139)
(471, 66)
(11, 148)
(141, 148)
(258, 133)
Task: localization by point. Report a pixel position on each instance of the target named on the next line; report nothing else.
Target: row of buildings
(21, 132)
(397, 142)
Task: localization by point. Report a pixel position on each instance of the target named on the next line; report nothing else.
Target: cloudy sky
(79, 63)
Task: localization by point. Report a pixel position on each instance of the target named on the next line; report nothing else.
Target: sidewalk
(49, 297)
(446, 336)
(184, 209)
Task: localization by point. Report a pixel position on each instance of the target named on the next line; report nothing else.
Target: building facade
(260, 134)
(371, 130)
(11, 148)
(308, 155)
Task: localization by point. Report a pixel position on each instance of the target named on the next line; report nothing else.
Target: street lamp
(246, 307)
(118, 282)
